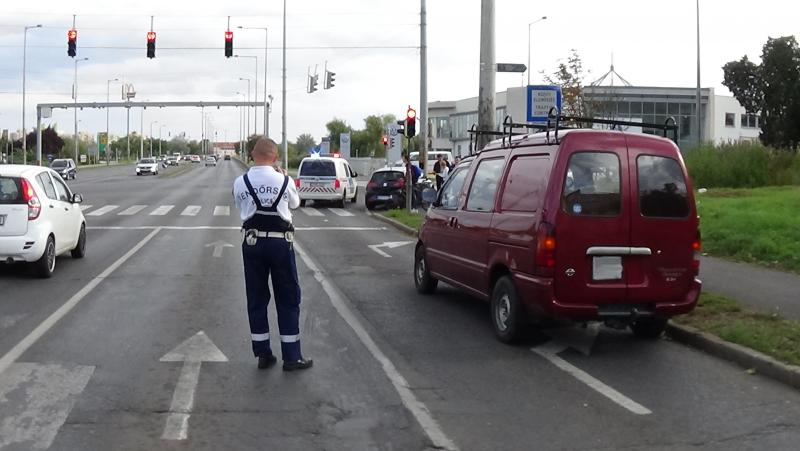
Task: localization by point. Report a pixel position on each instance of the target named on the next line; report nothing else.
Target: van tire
(302, 202)
(355, 197)
(45, 266)
(343, 202)
(649, 328)
(80, 248)
(507, 312)
(423, 280)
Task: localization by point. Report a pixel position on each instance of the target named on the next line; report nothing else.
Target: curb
(745, 357)
(396, 224)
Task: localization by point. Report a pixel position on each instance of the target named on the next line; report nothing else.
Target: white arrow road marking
(35, 400)
(388, 245)
(218, 248)
(192, 352)
(550, 350)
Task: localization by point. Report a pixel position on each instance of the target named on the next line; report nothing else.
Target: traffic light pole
(409, 180)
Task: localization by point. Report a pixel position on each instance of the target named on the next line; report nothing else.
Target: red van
(595, 225)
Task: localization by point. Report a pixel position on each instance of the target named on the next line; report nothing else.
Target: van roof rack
(554, 123)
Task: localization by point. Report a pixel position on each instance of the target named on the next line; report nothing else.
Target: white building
(727, 121)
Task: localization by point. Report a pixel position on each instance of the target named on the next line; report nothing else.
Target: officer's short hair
(265, 147)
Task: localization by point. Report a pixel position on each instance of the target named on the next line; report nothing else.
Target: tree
(569, 76)
(51, 142)
(335, 129)
(305, 142)
(770, 89)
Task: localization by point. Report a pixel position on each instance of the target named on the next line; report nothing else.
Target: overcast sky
(653, 44)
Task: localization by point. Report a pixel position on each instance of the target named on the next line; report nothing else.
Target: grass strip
(769, 334)
(412, 220)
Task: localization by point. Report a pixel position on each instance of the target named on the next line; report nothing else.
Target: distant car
(65, 167)
(195, 158)
(40, 218)
(211, 161)
(387, 188)
(147, 166)
(326, 179)
(227, 157)
(172, 161)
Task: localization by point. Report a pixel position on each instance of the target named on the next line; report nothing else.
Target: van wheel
(649, 328)
(302, 202)
(355, 197)
(45, 266)
(423, 280)
(506, 311)
(80, 248)
(343, 202)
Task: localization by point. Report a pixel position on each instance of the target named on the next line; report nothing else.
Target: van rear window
(317, 168)
(592, 185)
(662, 188)
(10, 191)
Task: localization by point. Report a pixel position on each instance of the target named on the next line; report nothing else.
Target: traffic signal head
(151, 44)
(385, 140)
(411, 123)
(329, 79)
(72, 42)
(313, 81)
(228, 44)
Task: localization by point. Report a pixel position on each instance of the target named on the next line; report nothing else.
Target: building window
(749, 121)
(730, 120)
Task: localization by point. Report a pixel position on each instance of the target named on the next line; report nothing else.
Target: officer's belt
(260, 234)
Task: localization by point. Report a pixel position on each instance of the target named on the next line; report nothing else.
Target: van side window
(451, 191)
(484, 185)
(662, 188)
(527, 180)
(592, 185)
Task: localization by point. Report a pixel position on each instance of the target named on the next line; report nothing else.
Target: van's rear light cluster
(545, 249)
(337, 184)
(297, 183)
(697, 246)
(29, 195)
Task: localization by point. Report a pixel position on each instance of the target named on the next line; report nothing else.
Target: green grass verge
(412, 220)
(759, 225)
(725, 318)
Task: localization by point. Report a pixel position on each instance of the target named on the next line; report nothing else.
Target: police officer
(264, 196)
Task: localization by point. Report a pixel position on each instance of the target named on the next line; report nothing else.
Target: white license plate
(318, 185)
(383, 197)
(607, 268)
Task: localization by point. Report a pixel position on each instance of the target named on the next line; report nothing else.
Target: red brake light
(545, 249)
(337, 184)
(297, 183)
(372, 184)
(697, 245)
(29, 195)
(400, 183)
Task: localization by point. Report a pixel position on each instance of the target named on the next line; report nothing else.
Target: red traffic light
(385, 140)
(228, 36)
(72, 34)
(151, 36)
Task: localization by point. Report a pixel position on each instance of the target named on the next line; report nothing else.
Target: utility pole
(24, 61)
(108, 111)
(699, 134)
(285, 144)
(141, 135)
(486, 87)
(423, 88)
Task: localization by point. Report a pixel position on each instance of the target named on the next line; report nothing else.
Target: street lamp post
(160, 127)
(108, 99)
(241, 124)
(24, 64)
(266, 105)
(255, 92)
(75, 109)
(151, 137)
(529, 46)
(248, 108)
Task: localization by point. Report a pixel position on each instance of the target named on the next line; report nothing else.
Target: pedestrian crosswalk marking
(312, 212)
(340, 212)
(86, 207)
(103, 210)
(222, 210)
(132, 210)
(162, 210)
(191, 210)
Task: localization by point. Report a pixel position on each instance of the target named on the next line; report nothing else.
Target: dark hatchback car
(65, 167)
(595, 226)
(386, 188)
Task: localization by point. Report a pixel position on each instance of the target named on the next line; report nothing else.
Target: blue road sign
(541, 99)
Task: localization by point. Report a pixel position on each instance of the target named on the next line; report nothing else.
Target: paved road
(81, 354)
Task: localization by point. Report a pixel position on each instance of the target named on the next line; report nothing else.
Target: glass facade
(463, 122)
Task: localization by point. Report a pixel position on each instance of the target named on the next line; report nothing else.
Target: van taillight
(297, 183)
(29, 195)
(697, 245)
(545, 249)
(337, 184)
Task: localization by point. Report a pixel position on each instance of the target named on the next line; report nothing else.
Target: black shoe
(266, 362)
(301, 364)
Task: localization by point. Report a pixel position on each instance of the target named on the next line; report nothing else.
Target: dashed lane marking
(103, 210)
(132, 210)
(340, 212)
(222, 210)
(162, 210)
(191, 210)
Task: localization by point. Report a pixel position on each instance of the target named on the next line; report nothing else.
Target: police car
(326, 178)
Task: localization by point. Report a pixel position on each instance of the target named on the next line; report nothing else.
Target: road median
(401, 219)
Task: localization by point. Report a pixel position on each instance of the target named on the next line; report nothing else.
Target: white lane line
(595, 384)
(191, 210)
(86, 207)
(132, 210)
(162, 210)
(417, 408)
(340, 212)
(12, 355)
(222, 210)
(311, 211)
(165, 227)
(103, 210)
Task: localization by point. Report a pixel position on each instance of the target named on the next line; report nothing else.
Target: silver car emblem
(570, 272)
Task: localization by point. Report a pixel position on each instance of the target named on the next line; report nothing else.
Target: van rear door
(13, 208)
(663, 224)
(592, 229)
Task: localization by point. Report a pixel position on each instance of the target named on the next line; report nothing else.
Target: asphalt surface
(81, 354)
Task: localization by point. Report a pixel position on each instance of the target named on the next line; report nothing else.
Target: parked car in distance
(211, 161)
(227, 157)
(596, 226)
(65, 167)
(40, 218)
(326, 179)
(172, 161)
(147, 166)
(386, 188)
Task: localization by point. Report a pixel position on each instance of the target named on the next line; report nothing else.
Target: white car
(147, 166)
(326, 179)
(211, 161)
(40, 218)
(433, 155)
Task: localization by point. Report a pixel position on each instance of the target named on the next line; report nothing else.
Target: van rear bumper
(538, 296)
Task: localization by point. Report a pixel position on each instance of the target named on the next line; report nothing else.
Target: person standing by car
(264, 196)
(439, 170)
(416, 173)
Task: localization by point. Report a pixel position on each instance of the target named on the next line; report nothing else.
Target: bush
(747, 165)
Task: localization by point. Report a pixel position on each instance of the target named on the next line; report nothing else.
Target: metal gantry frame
(48, 107)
